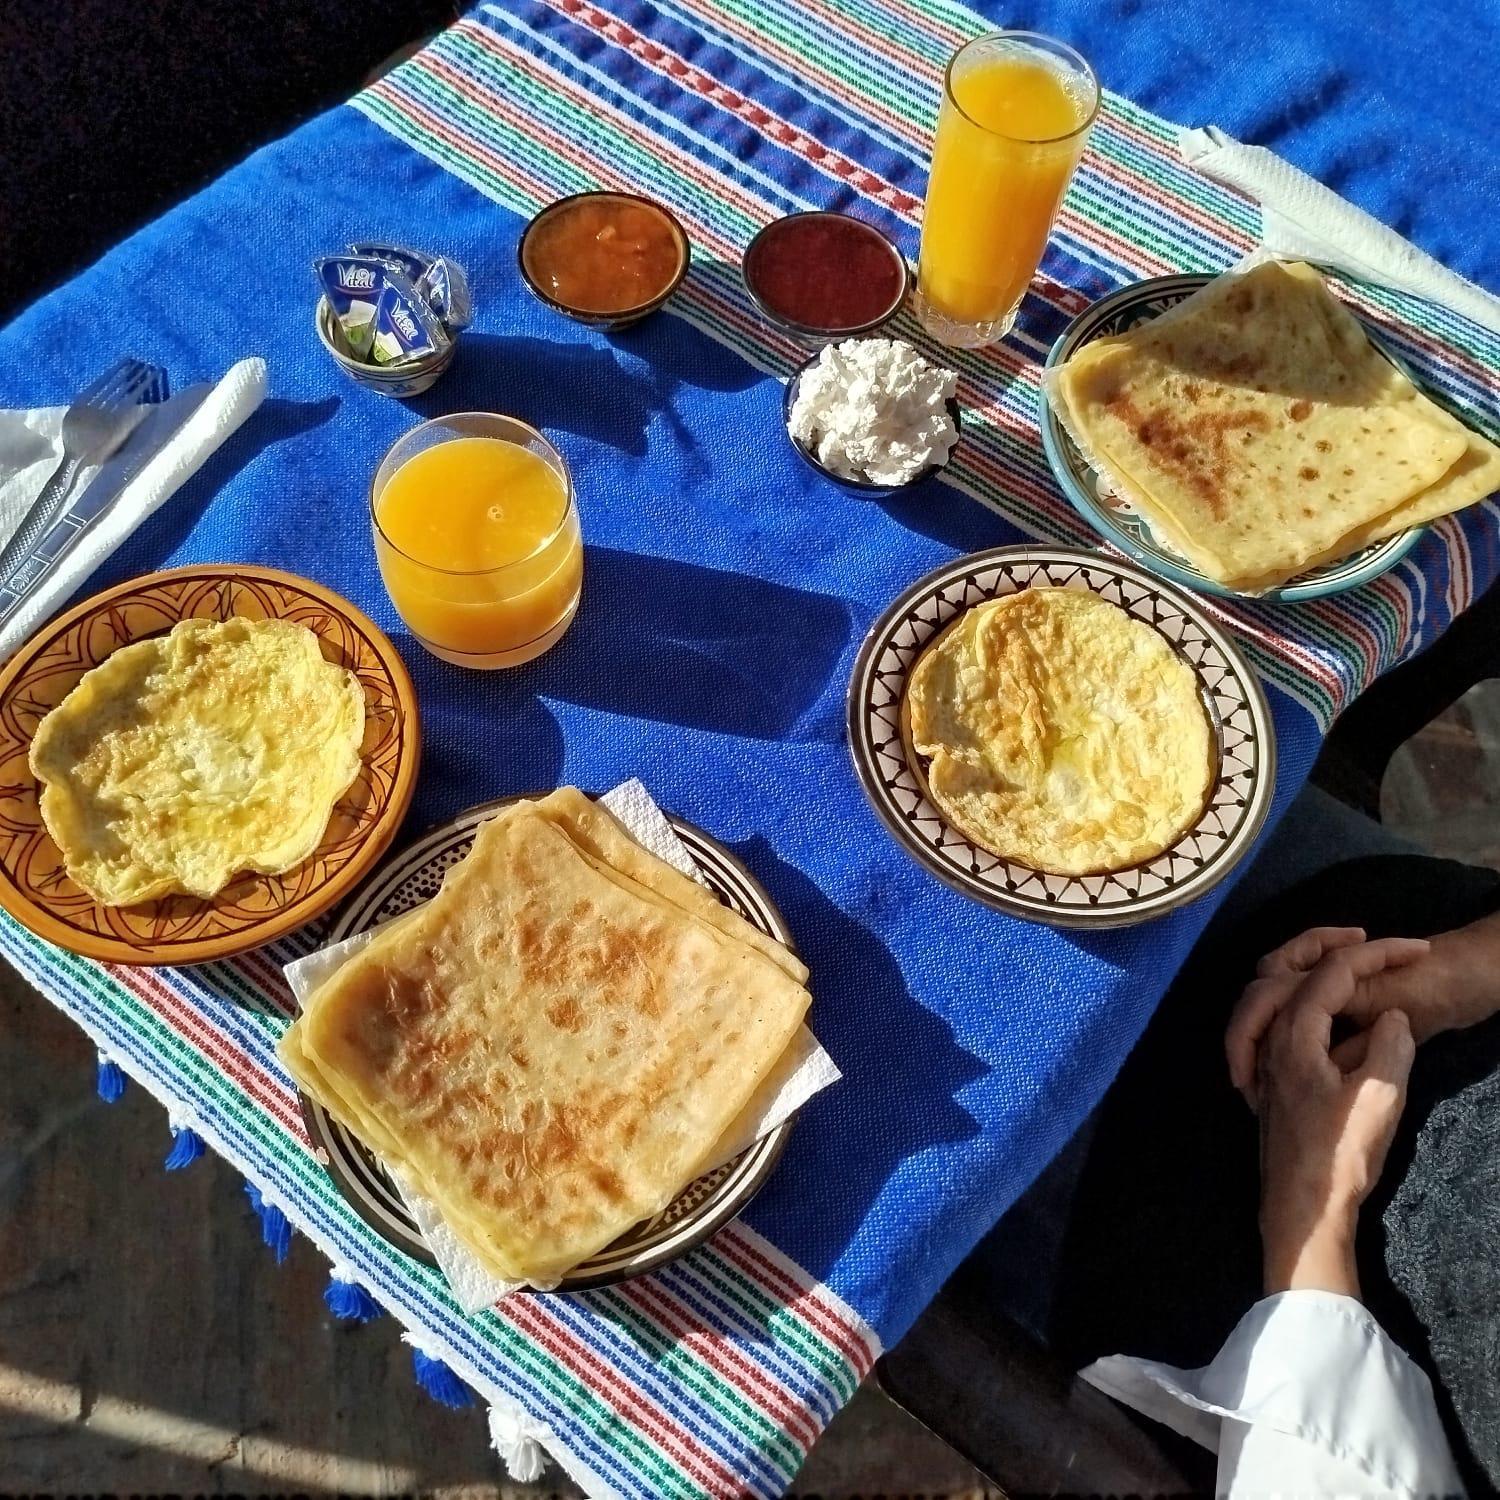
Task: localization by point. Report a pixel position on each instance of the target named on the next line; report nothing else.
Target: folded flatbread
(554, 1044)
(1260, 433)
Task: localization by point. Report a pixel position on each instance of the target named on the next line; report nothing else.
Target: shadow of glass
(527, 757)
(607, 389)
(694, 646)
(579, 388)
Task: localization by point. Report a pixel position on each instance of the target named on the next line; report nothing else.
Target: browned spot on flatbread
(1323, 445)
(1307, 472)
(607, 1182)
(1299, 411)
(565, 1014)
(1192, 446)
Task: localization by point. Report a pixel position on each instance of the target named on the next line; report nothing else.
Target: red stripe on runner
(693, 291)
(631, 1404)
(771, 126)
(735, 1246)
(773, 1400)
(193, 1027)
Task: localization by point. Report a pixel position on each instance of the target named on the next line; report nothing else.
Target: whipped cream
(874, 409)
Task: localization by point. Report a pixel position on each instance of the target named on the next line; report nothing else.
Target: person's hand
(1325, 1132)
(1394, 976)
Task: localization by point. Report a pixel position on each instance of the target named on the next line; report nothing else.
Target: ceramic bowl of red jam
(824, 276)
(604, 259)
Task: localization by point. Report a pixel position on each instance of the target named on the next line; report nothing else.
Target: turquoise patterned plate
(1102, 509)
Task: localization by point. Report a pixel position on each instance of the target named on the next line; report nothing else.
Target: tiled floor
(148, 1341)
(1443, 786)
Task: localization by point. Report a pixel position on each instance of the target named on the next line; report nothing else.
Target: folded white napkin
(804, 1070)
(1303, 220)
(31, 448)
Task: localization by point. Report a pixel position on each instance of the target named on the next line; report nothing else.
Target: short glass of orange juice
(1016, 112)
(476, 534)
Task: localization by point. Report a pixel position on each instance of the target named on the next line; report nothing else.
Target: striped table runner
(714, 1376)
(734, 111)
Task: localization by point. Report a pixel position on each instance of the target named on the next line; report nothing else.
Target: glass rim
(443, 421)
(1052, 44)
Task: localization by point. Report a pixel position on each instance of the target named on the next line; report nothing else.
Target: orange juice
(477, 540)
(1013, 122)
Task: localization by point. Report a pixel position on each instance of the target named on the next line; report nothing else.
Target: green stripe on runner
(206, 1082)
(673, 1361)
(1007, 504)
(754, 1300)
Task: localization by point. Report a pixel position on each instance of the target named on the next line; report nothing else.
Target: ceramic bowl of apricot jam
(821, 277)
(605, 259)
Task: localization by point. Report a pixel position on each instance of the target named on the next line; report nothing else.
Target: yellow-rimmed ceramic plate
(252, 909)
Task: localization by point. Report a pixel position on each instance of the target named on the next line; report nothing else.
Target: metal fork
(92, 428)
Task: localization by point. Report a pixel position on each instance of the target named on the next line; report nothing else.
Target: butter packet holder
(440, 280)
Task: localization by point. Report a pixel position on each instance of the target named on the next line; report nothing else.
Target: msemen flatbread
(551, 1046)
(1060, 732)
(1259, 432)
(180, 761)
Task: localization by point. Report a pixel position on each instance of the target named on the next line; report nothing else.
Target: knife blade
(161, 423)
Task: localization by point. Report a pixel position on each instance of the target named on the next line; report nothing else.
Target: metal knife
(161, 423)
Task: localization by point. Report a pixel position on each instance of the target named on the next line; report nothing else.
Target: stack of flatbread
(1259, 433)
(551, 1048)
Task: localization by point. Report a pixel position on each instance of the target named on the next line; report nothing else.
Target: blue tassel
(440, 1382)
(274, 1228)
(350, 1301)
(187, 1147)
(109, 1079)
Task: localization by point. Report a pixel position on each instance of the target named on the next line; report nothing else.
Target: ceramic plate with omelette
(1244, 434)
(1061, 736)
(197, 761)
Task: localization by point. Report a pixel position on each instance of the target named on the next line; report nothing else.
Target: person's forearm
(1301, 1257)
(1466, 974)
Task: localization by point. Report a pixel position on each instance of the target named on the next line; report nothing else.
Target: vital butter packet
(353, 284)
(405, 325)
(440, 280)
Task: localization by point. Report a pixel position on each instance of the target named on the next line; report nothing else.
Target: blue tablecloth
(727, 588)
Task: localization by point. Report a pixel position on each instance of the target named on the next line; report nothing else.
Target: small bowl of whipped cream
(873, 415)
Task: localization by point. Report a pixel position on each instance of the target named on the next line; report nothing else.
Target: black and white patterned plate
(1097, 503)
(895, 780)
(699, 1211)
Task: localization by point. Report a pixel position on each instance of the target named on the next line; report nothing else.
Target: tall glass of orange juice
(1016, 111)
(476, 534)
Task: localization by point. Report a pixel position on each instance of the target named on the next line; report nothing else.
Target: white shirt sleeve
(1308, 1397)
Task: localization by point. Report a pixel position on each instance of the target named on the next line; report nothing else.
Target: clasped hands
(1328, 1110)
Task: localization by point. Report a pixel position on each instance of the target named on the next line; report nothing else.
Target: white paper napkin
(803, 1071)
(31, 448)
(1303, 220)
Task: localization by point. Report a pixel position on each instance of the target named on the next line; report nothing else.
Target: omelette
(1061, 733)
(1259, 433)
(182, 760)
(552, 1046)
